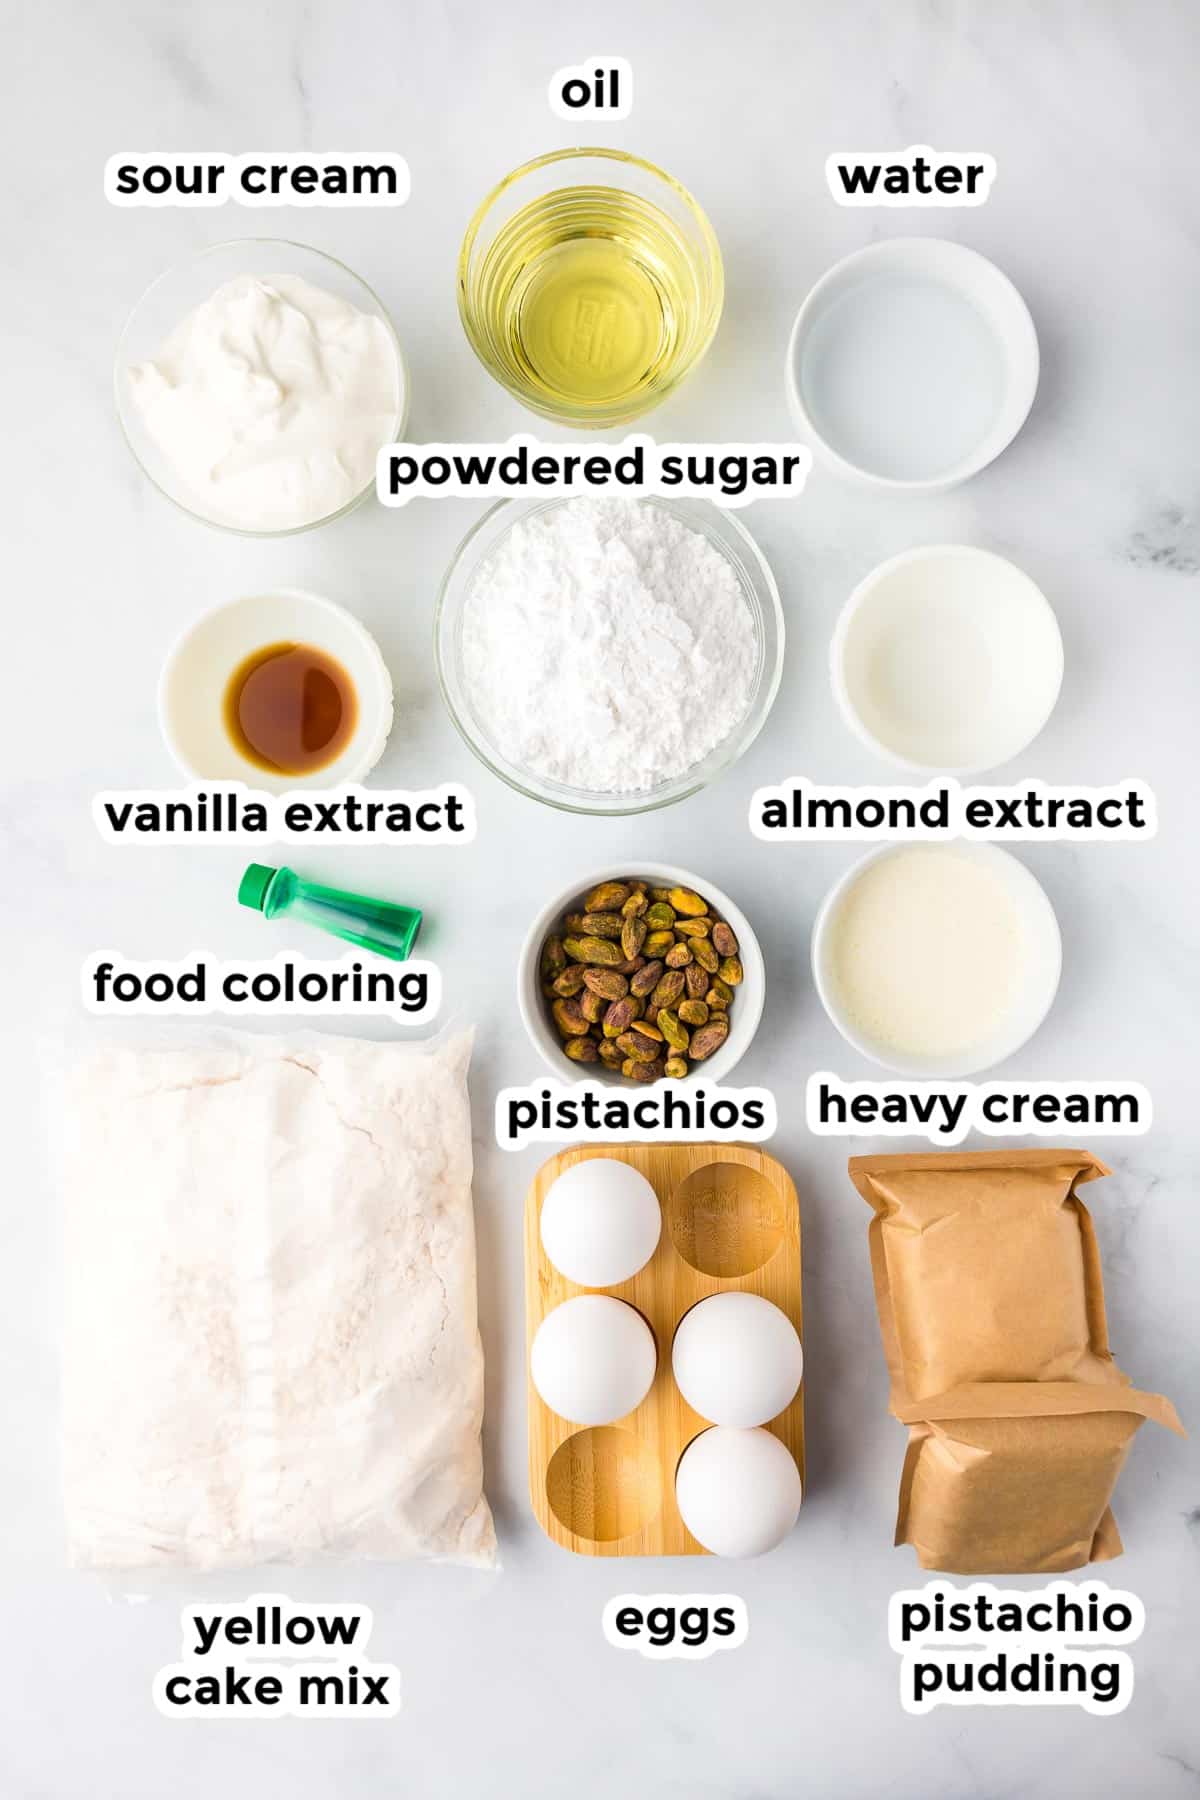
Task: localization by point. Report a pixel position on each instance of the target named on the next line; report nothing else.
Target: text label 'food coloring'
(285, 983)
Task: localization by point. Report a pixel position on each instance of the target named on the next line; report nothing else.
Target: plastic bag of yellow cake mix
(270, 1347)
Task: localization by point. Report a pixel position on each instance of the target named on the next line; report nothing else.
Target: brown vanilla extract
(290, 708)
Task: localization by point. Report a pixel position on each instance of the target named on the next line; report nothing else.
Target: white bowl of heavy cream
(937, 960)
(256, 384)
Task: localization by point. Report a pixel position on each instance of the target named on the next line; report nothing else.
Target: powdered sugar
(608, 646)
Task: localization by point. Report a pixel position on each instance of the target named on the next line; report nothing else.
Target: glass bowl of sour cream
(256, 383)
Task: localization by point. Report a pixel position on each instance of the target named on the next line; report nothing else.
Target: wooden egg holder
(731, 1221)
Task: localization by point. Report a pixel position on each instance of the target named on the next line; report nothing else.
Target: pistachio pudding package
(991, 1307)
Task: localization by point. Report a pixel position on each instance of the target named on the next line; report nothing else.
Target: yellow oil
(589, 301)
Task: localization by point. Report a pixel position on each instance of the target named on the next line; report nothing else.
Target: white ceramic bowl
(1043, 967)
(947, 658)
(912, 364)
(744, 1014)
(198, 668)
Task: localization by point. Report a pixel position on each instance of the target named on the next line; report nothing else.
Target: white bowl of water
(912, 364)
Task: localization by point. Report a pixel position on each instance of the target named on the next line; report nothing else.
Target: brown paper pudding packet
(991, 1307)
(985, 1267)
(1016, 1478)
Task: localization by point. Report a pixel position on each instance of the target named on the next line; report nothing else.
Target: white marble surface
(1090, 111)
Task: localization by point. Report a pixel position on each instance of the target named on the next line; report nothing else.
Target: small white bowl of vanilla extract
(280, 690)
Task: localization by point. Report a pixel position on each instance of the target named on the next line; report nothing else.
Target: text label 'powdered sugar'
(727, 474)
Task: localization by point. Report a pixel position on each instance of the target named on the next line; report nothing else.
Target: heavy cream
(269, 402)
(927, 952)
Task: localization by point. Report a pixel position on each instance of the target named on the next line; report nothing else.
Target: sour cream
(269, 402)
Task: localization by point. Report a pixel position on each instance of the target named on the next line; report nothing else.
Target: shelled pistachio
(641, 979)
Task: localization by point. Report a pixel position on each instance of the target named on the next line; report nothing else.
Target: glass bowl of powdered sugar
(609, 654)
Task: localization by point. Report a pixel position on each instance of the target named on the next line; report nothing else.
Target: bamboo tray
(730, 1221)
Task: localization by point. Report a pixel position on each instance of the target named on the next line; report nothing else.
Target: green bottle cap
(409, 925)
(252, 889)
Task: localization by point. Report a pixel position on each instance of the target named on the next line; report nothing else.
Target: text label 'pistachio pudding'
(606, 646)
(269, 402)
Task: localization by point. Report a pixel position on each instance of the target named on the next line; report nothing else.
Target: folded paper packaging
(991, 1307)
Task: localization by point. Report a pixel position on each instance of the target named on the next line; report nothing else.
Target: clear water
(903, 377)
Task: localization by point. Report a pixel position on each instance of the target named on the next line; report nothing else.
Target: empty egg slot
(726, 1220)
(603, 1484)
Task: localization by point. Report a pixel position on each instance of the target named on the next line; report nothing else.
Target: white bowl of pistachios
(637, 974)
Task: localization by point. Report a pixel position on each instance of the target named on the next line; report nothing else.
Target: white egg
(600, 1222)
(593, 1359)
(737, 1359)
(738, 1491)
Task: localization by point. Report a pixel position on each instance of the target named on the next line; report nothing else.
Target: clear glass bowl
(185, 286)
(565, 178)
(724, 532)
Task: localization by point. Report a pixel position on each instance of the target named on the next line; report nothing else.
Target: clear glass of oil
(590, 284)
